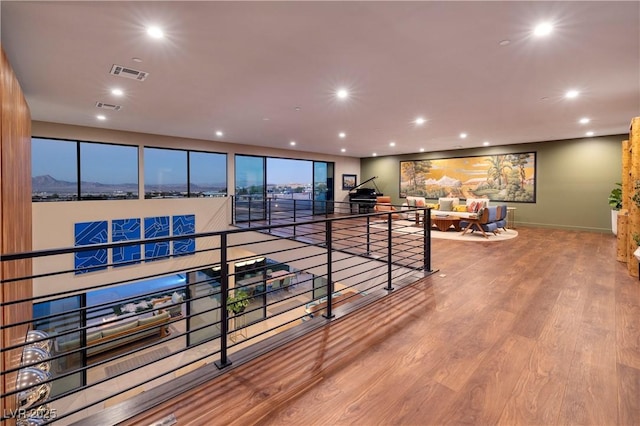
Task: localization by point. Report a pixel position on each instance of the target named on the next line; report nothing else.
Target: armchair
(383, 205)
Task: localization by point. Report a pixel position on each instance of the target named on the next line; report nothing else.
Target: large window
(108, 171)
(165, 173)
(174, 173)
(62, 169)
(54, 170)
(207, 174)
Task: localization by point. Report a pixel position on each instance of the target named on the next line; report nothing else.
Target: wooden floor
(542, 329)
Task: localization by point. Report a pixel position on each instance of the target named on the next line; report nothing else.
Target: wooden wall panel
(15, 216)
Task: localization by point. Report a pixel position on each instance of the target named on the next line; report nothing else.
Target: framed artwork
(503, 177)
(348, 181)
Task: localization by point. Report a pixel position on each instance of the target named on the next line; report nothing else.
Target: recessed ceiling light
(101, 117)
(392, 143)
(342, 135)
(463, 135)
(298, 109)
(584, 120)
(136, 59)
(420, 121)
(542, 29)
(504, 42)
(457, 146)
(486, 143)
(374, 154)
(421, 149)
(117, 92)
(292, 143)
(219, 133)
(265, 119)
(343, 150)
(590, 133)
(342, 94)
(571, 94)
(155, 32)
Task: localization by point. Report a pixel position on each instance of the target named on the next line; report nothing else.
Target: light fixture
(374, 154)
(117, 92)
(342, 135)
(542, 29)
(136, 59)
(584, 120)
(342, 94)
(155, 32)
(486, 143)
(421, 149)
(571, 94)
(343, 150)
(292, 143)
(504, 42)
(590, 133)
(463, 135)
(392, 143)
(219, 133)
(420, 121)
(101, 117)
(298, 108)
(265, 118)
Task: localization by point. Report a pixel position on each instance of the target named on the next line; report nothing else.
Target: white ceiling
(231, 65)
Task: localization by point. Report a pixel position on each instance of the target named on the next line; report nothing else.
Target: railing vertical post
(249, 218)
(389, 252)
(294, 217)
(233, 210)
(327, 234)
(368, 235)
(427, 240)
(224, 314)
(269, 212)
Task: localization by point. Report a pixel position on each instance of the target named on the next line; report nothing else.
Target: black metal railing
(240, 287)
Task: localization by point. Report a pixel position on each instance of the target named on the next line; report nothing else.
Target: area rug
(138, 361)
(409, 227)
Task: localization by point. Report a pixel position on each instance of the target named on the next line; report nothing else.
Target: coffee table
(444, 223)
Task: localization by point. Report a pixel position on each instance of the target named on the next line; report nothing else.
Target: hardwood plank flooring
(542, 329)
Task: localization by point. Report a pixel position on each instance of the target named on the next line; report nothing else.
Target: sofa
(114, 334)
(445, 206)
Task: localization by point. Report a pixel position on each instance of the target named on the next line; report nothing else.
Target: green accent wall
(574, 178)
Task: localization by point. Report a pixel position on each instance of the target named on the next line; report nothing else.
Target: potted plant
(238, 302)
(615, 202)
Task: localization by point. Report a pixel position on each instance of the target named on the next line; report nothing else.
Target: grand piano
(364, 198)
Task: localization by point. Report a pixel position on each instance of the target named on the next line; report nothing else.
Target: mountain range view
(50, 185)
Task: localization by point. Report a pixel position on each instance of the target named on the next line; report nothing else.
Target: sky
(114, 164)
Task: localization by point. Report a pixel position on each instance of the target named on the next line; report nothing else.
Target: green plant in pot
(615, 202)
(238, 302)
(615, 197)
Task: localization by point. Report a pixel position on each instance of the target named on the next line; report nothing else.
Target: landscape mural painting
(504, 177)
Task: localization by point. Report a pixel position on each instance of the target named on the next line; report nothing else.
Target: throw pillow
(471, 208)
(411, 202)
(420, 203)
(446, 205)
(460, 208)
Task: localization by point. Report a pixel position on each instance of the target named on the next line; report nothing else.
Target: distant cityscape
(48, 188)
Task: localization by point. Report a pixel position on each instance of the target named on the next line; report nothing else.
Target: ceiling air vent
(112, 107)
(121, 71)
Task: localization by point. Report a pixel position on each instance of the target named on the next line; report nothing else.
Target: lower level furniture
(115, 334)
(444, 223)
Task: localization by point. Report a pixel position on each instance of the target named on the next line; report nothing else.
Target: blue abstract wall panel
(87, 233)
(155, 227)
(126, 230)
(184, 225)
